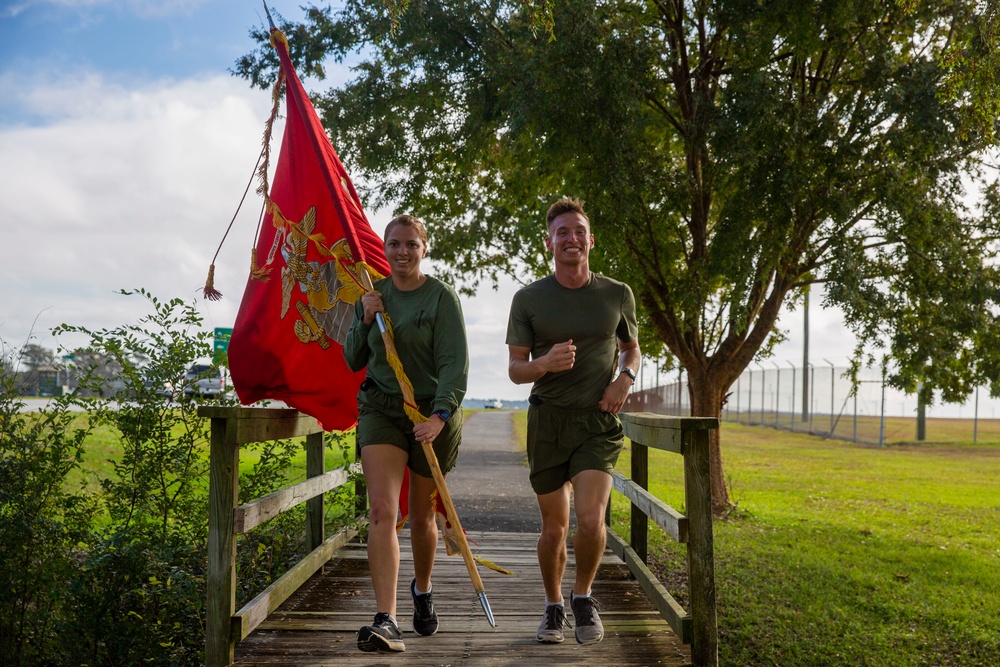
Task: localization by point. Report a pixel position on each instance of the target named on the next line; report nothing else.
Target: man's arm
(522, 369)
(615, 393)
(629, 356)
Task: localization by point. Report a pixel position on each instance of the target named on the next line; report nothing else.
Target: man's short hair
(565, 205)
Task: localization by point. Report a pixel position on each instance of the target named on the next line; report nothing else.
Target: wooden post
(315, 466)
(223, 489)
(701, 549)
(639, 523)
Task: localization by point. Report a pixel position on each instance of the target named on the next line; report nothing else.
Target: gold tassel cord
(209, 290)
(452, 546)
(260, 172)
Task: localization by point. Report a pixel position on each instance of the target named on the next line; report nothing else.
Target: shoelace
(424, 606)
(383, 620)
(555, 618)
(587, 608)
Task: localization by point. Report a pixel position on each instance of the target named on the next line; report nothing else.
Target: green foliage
(41, 521)
(731, 153)
(91, 576)
(155, 488)
(132, 590)
(268, 550)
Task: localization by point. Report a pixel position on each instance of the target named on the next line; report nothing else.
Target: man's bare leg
(590, 491)
(590, 498)
(552, 541)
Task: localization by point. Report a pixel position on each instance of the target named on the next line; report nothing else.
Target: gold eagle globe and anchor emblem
(330, 286)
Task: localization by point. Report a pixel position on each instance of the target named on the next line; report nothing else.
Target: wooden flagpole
(449, 506)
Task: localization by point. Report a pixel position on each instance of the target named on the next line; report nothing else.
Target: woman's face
(404, 249)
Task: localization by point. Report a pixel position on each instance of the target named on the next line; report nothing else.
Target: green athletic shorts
(382, 420)
(562, 443)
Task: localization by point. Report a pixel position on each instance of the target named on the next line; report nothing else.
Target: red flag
(298, 303)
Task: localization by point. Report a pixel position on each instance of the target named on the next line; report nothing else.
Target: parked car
(493, 403)
(204, 380)
(164, 389)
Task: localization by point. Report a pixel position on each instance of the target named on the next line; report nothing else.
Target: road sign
(221, 342)
(220, 345)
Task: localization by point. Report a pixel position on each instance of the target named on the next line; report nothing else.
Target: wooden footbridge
(310, 617)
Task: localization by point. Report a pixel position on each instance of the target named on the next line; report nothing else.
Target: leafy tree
(33, 356)
(732, 153)
(32, 359)
(102, 369)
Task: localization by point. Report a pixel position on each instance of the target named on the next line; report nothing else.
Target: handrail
(687, 436)
(230, 428)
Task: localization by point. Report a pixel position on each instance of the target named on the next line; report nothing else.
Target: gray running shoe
(425, 619)
(382, 635)
(589, 629)
(550, 630)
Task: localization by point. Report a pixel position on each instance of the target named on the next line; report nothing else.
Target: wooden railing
(232, 427)
(687, 436)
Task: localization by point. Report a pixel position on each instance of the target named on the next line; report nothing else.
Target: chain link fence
(823, 402)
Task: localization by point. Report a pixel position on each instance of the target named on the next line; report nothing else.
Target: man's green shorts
(562, 443)
(382, 420)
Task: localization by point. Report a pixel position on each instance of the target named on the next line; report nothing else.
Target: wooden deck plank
(317, 626)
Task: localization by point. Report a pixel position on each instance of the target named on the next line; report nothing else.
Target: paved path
(317, 625)
(489, 486)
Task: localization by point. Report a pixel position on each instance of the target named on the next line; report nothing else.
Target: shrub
(41, 521)
(115, 575)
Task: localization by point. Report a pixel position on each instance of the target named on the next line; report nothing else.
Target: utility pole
(805, 358)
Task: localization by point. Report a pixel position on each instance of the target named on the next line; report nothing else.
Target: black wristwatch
(629, 372)
(443, 414)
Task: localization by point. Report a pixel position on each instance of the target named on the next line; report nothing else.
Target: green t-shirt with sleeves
(594, 317)
(429, 334)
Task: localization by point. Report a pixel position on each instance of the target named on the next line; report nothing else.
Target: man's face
(569, 239)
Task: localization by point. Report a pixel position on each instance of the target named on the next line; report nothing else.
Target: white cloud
(124, 187)
(128, 185)
(128, 188)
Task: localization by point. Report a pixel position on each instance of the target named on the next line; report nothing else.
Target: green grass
(839, 554)
(104, 445)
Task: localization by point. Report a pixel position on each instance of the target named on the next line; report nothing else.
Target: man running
(568, 334)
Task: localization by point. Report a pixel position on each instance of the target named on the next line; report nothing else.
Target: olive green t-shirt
(429, 334)
(594, 316)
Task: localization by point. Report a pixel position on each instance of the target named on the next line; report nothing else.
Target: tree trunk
(706, 401)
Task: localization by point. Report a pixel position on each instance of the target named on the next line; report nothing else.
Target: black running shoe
(589, 628)
(425, 620)
(382, 635)
(550, 630)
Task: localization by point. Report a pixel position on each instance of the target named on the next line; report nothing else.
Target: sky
(125, 148)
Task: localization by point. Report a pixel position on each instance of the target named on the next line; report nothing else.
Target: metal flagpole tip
(486, 608)
(269, 19)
